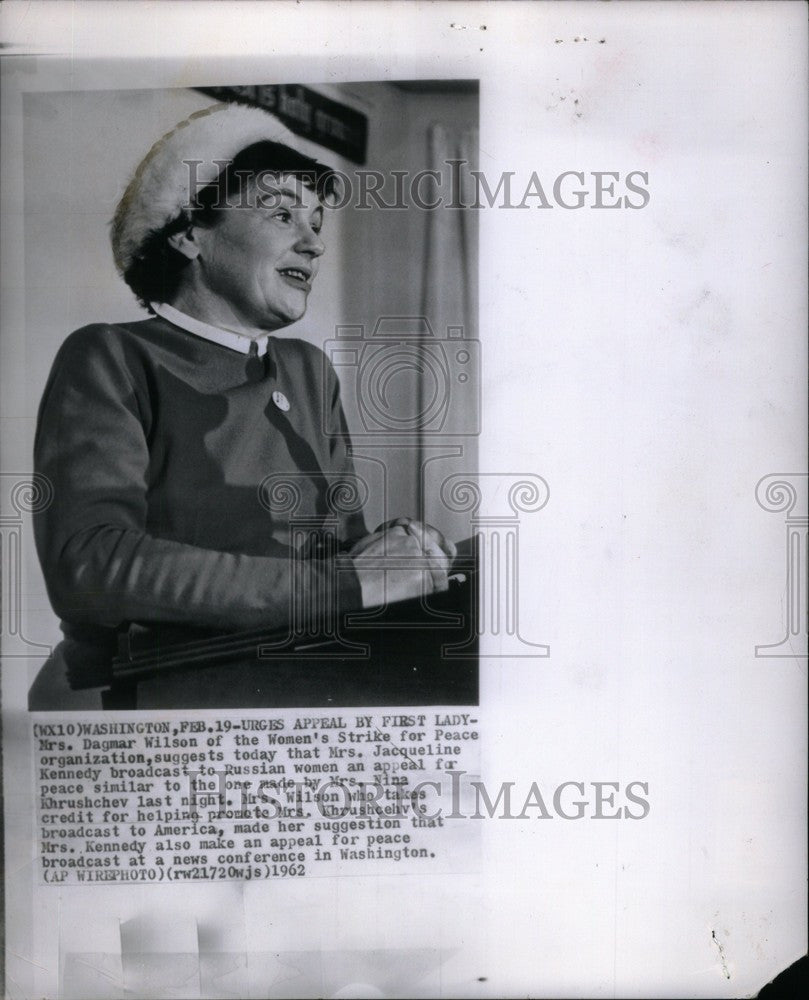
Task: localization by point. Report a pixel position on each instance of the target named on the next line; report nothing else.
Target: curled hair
(156, 272)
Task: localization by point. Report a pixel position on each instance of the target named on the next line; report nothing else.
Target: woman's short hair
(156, 273)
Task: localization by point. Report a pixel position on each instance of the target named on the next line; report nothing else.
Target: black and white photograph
(403, 501)
(213, 521)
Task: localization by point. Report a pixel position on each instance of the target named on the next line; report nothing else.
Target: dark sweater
(156, 442)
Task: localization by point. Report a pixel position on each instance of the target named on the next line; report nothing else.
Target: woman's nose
(309, 242)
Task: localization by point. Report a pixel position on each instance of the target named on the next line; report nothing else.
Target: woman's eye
(283, 215)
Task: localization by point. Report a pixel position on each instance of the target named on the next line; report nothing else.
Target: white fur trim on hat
(160, 188)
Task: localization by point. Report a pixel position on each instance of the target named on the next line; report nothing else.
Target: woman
(159, 436)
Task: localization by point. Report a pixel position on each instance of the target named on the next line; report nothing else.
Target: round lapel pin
(280, 400)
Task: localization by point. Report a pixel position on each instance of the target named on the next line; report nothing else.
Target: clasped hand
(403, 558)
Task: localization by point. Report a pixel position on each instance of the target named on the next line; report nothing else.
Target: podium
(416, 652)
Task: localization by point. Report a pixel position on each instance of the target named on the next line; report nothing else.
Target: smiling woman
(255, 263)
(267, 180)
(160, 435)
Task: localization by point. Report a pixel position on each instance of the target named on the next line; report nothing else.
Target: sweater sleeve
(101, 567)
(353, 526)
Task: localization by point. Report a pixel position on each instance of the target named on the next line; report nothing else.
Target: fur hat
(160, 188)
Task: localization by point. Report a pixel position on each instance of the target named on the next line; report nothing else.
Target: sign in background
(306, 113)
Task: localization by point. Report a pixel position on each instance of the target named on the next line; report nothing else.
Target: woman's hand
(401, 559)
(432, 542)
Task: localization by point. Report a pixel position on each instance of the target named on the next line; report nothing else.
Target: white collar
(225, 338)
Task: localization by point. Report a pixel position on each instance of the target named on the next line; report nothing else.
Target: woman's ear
(185, 243)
